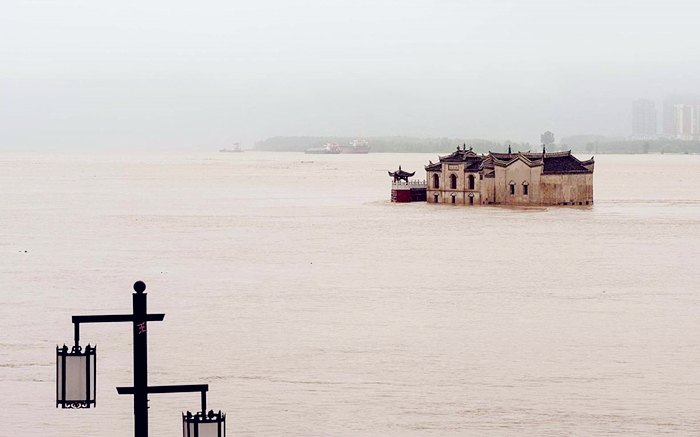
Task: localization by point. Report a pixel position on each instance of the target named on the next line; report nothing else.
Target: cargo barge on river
(356, 147)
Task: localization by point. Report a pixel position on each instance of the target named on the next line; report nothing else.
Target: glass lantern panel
(93, 378)
(59, 380)
(209, 429)
(76, 377)
(191, 429)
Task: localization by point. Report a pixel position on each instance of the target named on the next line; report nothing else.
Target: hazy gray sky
(202, 74)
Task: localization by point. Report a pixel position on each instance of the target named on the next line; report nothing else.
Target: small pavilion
(401, 175)
(405, 190)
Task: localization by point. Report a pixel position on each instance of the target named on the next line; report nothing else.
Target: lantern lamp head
(203, 424)
(139, 287)
(76, 377)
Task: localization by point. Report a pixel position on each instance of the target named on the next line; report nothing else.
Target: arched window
(453, 182)
(512, 188)
(525, 188)
(436, 181)
(471, 181)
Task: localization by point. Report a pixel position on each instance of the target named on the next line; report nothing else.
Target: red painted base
(401, 196)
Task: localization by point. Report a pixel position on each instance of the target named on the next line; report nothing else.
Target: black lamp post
(76, 374)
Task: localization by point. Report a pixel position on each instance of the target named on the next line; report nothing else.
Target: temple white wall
(518, 174)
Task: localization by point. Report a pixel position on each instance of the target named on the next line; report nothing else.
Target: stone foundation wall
(567, 189)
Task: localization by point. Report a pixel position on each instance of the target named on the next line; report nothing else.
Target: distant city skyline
(680, 118)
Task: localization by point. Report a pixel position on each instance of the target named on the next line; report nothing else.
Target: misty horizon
(201, 76)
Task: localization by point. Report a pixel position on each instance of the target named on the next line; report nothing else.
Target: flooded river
(312, 306)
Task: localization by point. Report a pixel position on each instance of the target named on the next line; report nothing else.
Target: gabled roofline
(531, 155)
(437, 166)
(462, 155)
(518, 157)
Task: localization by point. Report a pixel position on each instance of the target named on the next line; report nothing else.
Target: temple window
(471, 181)
(524, 189)
(512, 189)
(436, 198)
(453, 182)
(436, 181)
(453, 199)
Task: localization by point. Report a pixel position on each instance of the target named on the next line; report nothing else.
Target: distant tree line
(393, 144)
(597, 144)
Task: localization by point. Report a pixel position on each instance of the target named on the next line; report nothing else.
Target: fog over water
(197, 75)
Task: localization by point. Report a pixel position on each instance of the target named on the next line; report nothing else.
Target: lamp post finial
(139, 287)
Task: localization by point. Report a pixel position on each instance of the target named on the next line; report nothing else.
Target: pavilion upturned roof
(401, 173)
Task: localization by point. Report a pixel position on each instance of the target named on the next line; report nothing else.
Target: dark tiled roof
(473, 166)
(502, 156)
(529, 155)
(563, 164)
(532, 161)
(461, 155)
(457, 156)
(557, 162)
(554, 162)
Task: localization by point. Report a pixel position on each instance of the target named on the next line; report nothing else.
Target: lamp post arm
(203, 388)
(111, 318)
(116, 318)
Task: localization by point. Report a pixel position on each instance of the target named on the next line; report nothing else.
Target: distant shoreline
(447, 152)
(582, 144)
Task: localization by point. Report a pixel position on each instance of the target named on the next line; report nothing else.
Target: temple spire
(509, 149)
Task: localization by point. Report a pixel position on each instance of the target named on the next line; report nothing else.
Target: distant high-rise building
(643, 119)
(686, 122)
(671, 124)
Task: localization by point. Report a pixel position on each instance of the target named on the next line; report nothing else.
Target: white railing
(409, 184)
